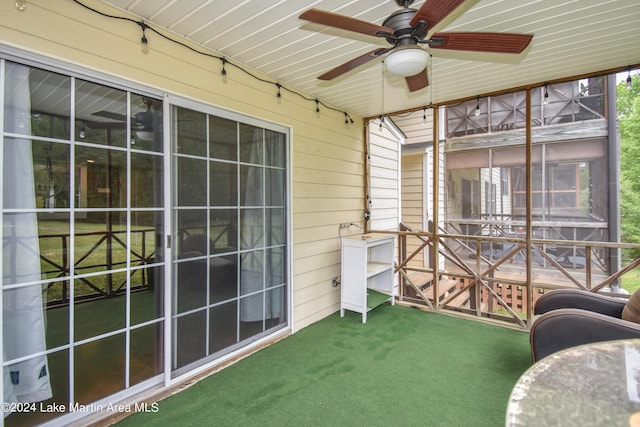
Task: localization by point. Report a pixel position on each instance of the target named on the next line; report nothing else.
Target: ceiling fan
(142, 122)
(408, 28)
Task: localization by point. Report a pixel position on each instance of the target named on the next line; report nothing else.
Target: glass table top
(589, 385)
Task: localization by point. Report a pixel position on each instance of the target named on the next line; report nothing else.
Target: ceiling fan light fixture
(406, 62)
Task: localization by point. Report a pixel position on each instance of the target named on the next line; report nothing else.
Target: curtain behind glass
(23, 315)
(252, 227)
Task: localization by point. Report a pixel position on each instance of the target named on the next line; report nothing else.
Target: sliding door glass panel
(275, 226)
(275, 143)
(192, 130)
(223, 184)
(224, 278)
(251, 315)
(147, 274)
(274, 187)
(145, 190)
(192, 182)
(223, 323)
(98, 316)
(223, 138)
(251, 228)
(251, 144)
(101, 114)
(82, 239)
(251, 272)
(145, 361)
(228, 255)
(251, 185)
(106, 175)
(190, 338)
(46, 104)
(223, 227)
(191, 292)
(103, 361)
(57, 331)
(275, 262)
(146, 304)
(146, 123)
(276, 299)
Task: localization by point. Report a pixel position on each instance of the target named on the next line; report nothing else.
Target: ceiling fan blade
(481, 42)
(350, 65)
(417, 81)
(344, 22)
(110, 115)
(434, 11)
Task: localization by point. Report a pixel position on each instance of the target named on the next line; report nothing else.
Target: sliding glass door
(230, 225)
(82, 241)
(91, 181)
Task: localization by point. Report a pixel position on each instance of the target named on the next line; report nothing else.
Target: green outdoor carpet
(403, 367)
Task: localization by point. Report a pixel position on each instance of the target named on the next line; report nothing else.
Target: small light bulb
(224, 70)
(21, 5)
(144, 44)
(82, 134)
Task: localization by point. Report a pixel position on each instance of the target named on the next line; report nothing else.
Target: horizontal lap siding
(384, 169)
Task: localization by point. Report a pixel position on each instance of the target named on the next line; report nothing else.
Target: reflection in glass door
(229, 284)
(82, 240)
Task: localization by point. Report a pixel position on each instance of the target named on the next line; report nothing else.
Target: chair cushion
(631, 310)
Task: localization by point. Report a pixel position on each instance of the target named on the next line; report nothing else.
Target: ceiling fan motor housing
(403, 34)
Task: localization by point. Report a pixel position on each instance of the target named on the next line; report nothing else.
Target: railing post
(436, 204)
(402, 254)
(529, 209)
(65, 268)
(145, 276)
(587, 267)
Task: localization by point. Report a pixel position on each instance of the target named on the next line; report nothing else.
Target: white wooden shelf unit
(367, 272)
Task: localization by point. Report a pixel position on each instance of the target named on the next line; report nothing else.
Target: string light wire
(225, 61)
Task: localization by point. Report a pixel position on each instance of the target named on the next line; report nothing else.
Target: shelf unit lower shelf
(375, 299)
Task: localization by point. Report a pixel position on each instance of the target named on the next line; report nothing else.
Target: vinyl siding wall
(384, 181)
(327, 167)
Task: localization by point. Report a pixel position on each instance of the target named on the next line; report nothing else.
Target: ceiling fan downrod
(405, 3)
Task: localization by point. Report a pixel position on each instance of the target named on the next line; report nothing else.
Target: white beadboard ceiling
(571, 37)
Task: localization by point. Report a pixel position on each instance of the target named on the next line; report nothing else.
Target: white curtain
(23, 313)
(252, 232)
(254, 229)
(276, 262)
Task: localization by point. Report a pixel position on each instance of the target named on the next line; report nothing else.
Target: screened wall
(486, 155)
